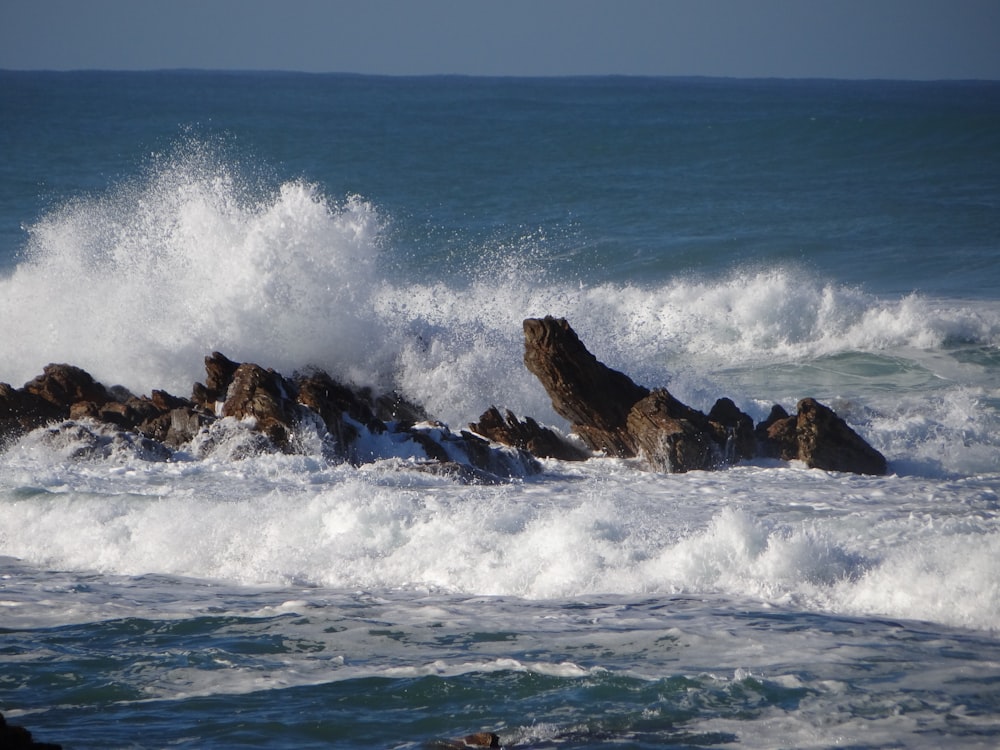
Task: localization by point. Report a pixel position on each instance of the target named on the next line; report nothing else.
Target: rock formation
(608, 411)
(595, 399)
(527, 435)
(613, 415)
(89, 420)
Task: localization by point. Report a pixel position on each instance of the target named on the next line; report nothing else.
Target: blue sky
(918, 39)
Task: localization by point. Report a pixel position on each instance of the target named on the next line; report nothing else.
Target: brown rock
(482, 739)
(783, 439)
(479, 739)
(332, 400)
(613, 414)
(394, 407)
(182, 424)
(594, 398)
(764, 446)
(263, 395)
(164, 402)
(219, 372)
(64, 385)
(737, 434)
(84, 410)
(527, 435)
(21, 412)
(826, 442)
(671, 436)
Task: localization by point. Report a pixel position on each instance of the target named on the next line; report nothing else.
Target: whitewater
(242, 598)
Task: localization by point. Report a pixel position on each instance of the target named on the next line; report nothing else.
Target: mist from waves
(138, 284)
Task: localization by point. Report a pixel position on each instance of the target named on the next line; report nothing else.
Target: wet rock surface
(606, 409)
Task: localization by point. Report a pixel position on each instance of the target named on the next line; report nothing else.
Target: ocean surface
(761, 240)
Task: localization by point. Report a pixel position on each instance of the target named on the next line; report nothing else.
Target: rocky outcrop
(671, 436)
(86, 420)
(595, 399)
(825, 441)
(613, 415)
(609, 412)
(527, 435)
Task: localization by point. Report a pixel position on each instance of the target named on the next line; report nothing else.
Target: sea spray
(139, 284)
(783, 535)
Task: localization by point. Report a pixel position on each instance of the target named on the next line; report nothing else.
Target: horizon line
(498, 76)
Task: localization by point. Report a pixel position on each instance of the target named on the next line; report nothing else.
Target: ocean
(764, 240)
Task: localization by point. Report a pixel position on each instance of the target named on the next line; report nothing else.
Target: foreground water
(760, 240)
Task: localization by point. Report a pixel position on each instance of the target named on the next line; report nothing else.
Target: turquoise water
(762, 240)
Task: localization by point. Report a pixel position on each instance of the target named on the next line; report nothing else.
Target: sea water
(761, 240)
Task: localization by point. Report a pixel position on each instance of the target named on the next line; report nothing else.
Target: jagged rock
(22, 412)
(766, 445)
(595, 399)
(613, 414)
(48, 398)
(738, 435)
(819, 438)
(164, 402)
(331, 401)
(671, 436)
(606, 409)
(180, 425)
(826, 442)
(394, 407)
(264, 396)
(783, 439)
(507, 464)
(64, 385)
(219, 371)
(84, 410)
(527, 435)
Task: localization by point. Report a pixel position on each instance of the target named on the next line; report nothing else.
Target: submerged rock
(479, 739)
(13, 737)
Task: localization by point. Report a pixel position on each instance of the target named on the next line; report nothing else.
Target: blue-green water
(763, 240)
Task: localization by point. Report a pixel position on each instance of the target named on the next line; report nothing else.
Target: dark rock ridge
(610, 414)
(613, 415)
(282, 411)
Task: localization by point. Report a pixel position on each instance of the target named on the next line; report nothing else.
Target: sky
(912, 39)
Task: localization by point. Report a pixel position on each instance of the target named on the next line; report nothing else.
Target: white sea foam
(138, 285)
(791, 537)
